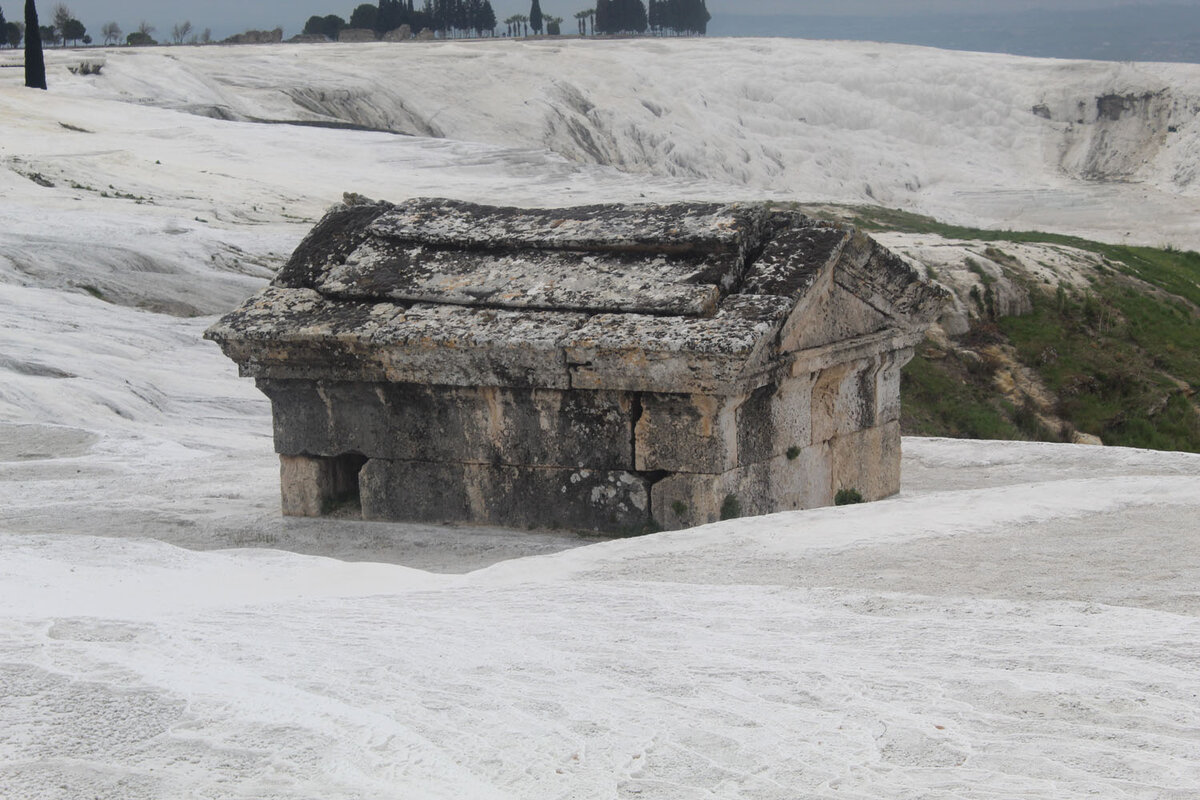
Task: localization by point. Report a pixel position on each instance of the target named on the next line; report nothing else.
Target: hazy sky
(230, 16)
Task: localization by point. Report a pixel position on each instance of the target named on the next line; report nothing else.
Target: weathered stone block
(594, 367)
(465, 346)
(794, 259)
(775, 419)
(686, 499)
(868, 460)
(726, 354)
(489, 425)
(843, 399)
(531, 278)
(664, 229)
(687, 433)
(782, 483)
(887, 385)
(829, 314)
(514, 496)
(805, 481)
(311, 486)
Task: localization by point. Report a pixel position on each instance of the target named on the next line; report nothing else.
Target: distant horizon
(1082, 29)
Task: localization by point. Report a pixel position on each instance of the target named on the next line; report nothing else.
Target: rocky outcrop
(613, 368)
(357, 35)
(401, 34)
(1119, 135)
(256, 37)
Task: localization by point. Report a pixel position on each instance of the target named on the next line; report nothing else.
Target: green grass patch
(946, 397)
(1115, 355)
(731, 508)
(847, 497)
(1111, 357)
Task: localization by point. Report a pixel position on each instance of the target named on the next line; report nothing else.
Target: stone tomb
(609, 368)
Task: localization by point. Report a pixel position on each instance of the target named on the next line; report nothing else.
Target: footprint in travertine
(39, 442)
(91, 630)
(912, 748)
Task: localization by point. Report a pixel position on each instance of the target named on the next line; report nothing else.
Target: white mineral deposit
(1020, 621)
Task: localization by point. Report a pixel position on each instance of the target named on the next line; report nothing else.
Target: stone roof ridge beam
(388, 270)
(338, 234)
(675, 229)
(794, 258)
(886, 282)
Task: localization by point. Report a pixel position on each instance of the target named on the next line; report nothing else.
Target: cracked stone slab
(793, 258)
(519, 496)
(482, 425)
(297, 333)
(677, 354)
(677, 285)
(679, 228)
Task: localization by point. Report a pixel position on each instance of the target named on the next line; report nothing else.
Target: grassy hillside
(1119, 358)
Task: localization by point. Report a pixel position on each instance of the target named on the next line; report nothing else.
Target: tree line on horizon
(66, 28)
(661, 18)
(476, 18)
(450, 18)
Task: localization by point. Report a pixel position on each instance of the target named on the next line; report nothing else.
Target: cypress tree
(35, 62)
(462, 16)
(388, 16)
(535, 17)
(603, 12)
(670, 13)
(637, 16)
(487, 20)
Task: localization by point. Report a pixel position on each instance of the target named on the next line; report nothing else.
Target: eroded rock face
(614, 368)
(256, 37)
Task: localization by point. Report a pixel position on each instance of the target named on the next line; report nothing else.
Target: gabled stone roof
(689, 298)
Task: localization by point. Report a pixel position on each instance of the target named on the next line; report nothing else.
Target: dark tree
(3, 21)
(487, 19)
(621, 16)
(679, 16)
(702, 17)
(535, 16)
(35, 61)
(392, 14)
(59, 16)
(328, 26)
(364, 16)
(73, 31)
(15, 33)
(635, 16)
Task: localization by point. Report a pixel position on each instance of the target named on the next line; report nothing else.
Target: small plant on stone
(793, 453)
(731, 508)
(846, 497)
(679, 507)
